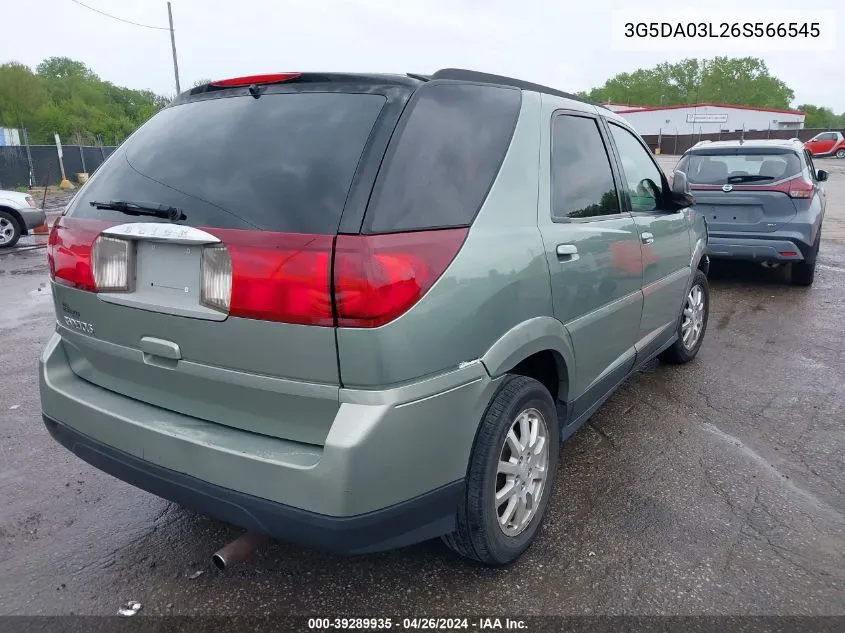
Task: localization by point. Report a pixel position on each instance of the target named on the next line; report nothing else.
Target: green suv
(362, 311)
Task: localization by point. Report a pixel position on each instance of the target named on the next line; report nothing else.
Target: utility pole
(173, 45)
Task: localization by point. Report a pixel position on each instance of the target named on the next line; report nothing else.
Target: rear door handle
(567, 252)
(647, 238)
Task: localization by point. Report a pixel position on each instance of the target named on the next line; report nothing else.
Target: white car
(18, 216)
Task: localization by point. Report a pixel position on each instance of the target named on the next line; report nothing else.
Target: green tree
(743, 81)
(64, 96)
(740, 81)
(818, 117)
(21, 94)
(65, 68)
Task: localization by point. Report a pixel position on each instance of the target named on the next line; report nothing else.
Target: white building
(706, 118)
(9, 136)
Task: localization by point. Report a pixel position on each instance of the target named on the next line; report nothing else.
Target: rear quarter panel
(698, 238)
(807, 223)
(498, 280)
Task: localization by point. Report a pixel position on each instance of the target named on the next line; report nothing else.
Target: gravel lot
(713, 488)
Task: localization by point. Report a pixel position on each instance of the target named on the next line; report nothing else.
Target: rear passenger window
(582, 181)
(810, 165)
(444, 157)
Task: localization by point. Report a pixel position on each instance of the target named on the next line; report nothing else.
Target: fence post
(100, 144)
(29, 159)
(675, 151)
(82, 158)
(47, 184)
(65, 183)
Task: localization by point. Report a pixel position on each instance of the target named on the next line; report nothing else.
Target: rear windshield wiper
(749, 178)
(141, 208)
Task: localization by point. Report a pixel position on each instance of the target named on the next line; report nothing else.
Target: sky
(537, 40)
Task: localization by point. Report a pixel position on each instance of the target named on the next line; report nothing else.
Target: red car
(827, 144)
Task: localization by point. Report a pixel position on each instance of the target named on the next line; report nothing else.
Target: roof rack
(460, 74)
(704, 142)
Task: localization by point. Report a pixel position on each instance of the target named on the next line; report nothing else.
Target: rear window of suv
(283, 162)
(751, 168)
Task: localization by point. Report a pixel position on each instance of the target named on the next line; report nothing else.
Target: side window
(444, 156)
(640, 171)
(582, 180)
(810, 164)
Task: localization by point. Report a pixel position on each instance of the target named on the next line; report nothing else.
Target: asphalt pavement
(712, 488)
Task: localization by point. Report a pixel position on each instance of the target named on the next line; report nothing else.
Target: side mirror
(680, 184)
(822, 175)
(680, 196)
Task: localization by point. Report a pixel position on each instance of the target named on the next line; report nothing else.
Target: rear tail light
(113, 264)
(801, 190)
(216, 289)
(278, 277)
(379, 277)
(796, 188)
(274, 276)
(69, 252)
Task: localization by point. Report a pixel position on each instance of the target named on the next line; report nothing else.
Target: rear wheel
(692, 324)
(510, 475)
(10, 230)
(804, 273)
(840, 153)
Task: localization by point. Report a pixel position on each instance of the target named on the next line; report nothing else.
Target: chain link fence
(27, 166)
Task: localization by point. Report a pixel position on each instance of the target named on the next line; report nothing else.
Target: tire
(804, 273)
(840, 153)
(10, 230)
(479, 534)
(679, 353)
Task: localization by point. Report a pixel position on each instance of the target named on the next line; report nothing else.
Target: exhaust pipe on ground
(238, 550)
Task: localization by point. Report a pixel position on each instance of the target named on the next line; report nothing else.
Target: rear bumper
(418, 519)
(755, 249)
(389, 474)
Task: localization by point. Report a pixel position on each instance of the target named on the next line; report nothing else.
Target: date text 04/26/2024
(417, 624)
(723, 29)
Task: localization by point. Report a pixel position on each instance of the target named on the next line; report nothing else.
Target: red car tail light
(282, 277)
(796, 188)
(279, 277)
(379, 277)
(70, 253)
